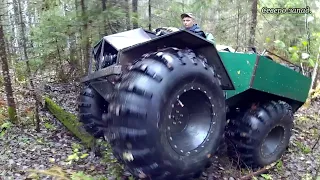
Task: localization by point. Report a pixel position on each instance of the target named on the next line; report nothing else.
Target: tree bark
(85, 35)
(104, 8)
(16, 23)
(24, 41)
(253, 23)
(79, 53)
(149, 8)
(104, 5)
(135, 14)
(314, 73)
(127, 5)
(12, 110)
(238, 21)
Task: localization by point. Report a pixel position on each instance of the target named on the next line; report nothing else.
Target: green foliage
(115, 169)
(81, 176)
(76, 156)
(20, 71)
(59, 40)
(3, 115)
(12, 114)
(266, 176)
(279, 165)
(279, 44)
(1, 81)
(289, 32)
(296, 54)
(304, 149)
(59, 173)
(49, 126)
(51, 35)
(315, 93)
(4, 127)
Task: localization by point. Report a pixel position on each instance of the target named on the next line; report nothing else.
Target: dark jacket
(196, 29)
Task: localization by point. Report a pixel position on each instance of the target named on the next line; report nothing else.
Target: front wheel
(168, 115)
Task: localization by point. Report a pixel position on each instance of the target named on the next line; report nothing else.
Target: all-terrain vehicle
(165, 102)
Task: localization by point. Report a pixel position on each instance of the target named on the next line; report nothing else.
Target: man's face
(187, 22)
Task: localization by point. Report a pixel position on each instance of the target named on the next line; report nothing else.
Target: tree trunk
(61, 74)
(16, 28)
(253, 23)
(135, 14)
(127, 5)
(79, 53)
(104, 8)
(12, 39)
(307, 31)
(12, 110)
(85, 35)
(24, 41)
(74, 62)
(149, 8)
(238, 22)
(314, 73)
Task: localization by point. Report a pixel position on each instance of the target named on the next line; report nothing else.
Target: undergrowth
(114, 170)
(314, 95)
(4, 126)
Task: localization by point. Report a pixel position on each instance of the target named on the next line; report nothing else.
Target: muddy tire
(162, 94)
(91, 108)
(260, 136)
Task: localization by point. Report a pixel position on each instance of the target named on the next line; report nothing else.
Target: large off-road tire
(260, 135)
(92, 106)
(163, 94)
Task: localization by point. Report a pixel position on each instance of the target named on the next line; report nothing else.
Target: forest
(45, 50)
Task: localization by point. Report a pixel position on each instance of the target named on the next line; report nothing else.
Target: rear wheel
(168, 115)
(261, 135)
(92, 107)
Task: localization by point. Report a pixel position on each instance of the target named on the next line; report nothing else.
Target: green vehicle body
(251, 71)
(254, 73)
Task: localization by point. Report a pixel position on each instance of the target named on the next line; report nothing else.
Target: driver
(189, 24)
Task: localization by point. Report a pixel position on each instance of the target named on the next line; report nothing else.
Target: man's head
(188, 20)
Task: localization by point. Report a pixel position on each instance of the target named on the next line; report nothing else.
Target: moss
(71, 122)
(1, 81)
(12, 114)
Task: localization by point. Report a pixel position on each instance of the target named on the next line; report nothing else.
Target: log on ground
(71, 122)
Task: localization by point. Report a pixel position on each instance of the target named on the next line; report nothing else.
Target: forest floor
(23, 150)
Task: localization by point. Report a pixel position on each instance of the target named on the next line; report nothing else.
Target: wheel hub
(272, 141)
(180, 118)
(190, 123)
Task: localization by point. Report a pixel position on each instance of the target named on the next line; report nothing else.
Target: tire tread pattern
(126, 139)
(89, 114)
(246, 132)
